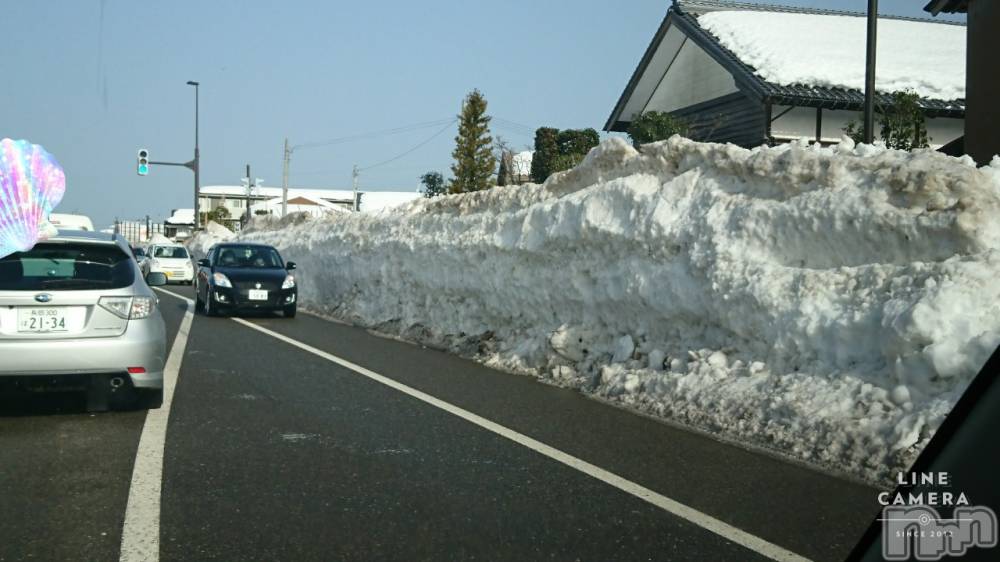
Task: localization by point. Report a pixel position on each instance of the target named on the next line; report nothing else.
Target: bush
(655, 126)
(903, 126)
(557, 150)
(433, 184)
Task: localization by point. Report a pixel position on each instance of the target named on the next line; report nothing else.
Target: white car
(173, 260)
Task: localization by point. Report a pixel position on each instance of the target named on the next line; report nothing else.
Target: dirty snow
(907, 50)
(827, 303)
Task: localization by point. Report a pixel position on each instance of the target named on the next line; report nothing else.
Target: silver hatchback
(76, 314)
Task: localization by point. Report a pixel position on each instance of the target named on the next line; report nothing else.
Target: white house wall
(694, 77)
(801, 122)
(650, 78)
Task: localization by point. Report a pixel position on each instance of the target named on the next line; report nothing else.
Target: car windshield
(248, 256)
(53, 266)
(170, 252)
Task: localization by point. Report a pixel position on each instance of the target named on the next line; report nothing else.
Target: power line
(375, 134)
(422, 143)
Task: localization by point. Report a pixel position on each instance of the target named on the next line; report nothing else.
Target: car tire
(199, 305)
(207, 306)
(289, 311)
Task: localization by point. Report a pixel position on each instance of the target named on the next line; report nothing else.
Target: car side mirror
(204, 263)
(290, 266)
(156, 279)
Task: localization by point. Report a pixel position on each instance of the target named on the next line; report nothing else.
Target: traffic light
(143, 164)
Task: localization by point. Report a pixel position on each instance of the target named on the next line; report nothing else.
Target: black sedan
(240, 276)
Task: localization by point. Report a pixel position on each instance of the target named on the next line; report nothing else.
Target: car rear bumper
(142, 345)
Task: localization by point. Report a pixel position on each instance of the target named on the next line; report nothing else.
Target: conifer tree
(474, 160)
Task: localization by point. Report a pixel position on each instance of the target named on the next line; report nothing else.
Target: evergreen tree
(474, 160)
(433, 184)
(546, 150)
(505, 173)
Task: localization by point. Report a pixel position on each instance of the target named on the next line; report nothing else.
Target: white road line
(703, 520)
(141, 532)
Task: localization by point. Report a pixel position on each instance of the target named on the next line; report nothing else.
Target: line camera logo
(913, 529)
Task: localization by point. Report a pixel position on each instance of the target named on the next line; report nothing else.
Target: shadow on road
(22, 404)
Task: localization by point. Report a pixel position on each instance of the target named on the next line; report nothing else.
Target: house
(180, 225)
(752, 74)
(268, 200)
(515, 167)
(982, 126)
(300, 204)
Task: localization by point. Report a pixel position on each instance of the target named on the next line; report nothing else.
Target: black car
(241, 276)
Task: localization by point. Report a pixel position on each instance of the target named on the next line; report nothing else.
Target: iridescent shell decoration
(31, 184)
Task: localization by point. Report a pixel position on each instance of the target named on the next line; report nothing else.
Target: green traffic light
(143, 169)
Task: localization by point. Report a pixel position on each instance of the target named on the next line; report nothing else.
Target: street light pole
(197, 157)
(869, 131)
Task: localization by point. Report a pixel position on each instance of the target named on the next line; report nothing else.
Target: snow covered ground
(827, 303)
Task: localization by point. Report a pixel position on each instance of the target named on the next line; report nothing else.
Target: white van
(71, 222)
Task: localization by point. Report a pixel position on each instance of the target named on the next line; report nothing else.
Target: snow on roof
(522, 163)
(377, 200)
(300, 201)
(181, 216)
(828, 50)
(269, 192)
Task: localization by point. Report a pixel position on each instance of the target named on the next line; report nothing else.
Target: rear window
(53, 266)
(170, 252)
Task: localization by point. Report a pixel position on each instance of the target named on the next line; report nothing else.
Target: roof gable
(683, 16)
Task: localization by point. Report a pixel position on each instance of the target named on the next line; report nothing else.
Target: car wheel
(207, 307)
(289, 311)
(199, 304)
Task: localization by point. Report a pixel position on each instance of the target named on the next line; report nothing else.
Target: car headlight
(154, 263)
(220, 280)
(289, 282)
(187, 265)
(129, 308)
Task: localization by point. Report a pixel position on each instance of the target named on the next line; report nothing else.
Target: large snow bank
(785, 48)
(830, 303)
(212, 234)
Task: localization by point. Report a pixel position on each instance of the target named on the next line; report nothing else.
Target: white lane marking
(141, 532)
(703, 520)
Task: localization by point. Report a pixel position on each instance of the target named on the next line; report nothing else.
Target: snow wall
(830, 304)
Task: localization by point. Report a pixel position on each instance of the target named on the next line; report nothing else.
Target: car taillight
(134, 308)
(136, 370)
(142, 307)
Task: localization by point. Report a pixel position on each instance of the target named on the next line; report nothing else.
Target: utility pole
(197, 157)
(284, 178)
(249, 185)
(354, 184)
(869, 131)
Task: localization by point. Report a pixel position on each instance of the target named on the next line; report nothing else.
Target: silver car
(76, 314)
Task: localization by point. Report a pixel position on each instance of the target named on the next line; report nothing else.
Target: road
(306, 439)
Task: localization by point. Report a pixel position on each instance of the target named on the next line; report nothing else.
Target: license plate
(41, 320)
(257, 295)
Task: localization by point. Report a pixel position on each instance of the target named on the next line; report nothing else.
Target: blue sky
(94, 80)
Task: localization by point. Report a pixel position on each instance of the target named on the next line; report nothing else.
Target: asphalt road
(276, 453)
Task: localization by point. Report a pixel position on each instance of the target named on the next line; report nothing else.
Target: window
(53, 266)
(170, 252)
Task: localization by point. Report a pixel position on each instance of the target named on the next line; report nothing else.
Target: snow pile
(829, 303)
(906, 50)
(161, 240)
(212, 234)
